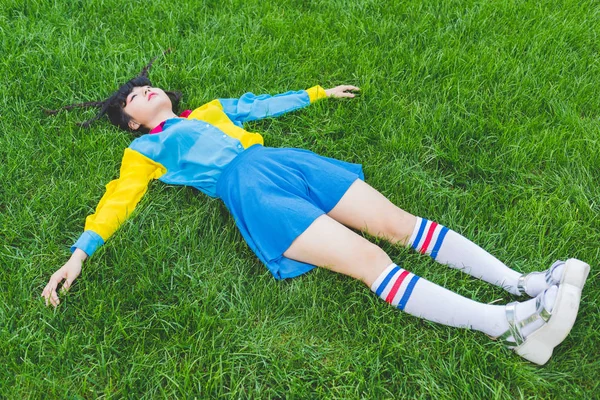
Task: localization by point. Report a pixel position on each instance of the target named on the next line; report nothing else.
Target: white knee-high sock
(448, 247)
(421, 298)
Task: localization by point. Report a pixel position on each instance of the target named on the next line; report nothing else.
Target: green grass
(482, 115)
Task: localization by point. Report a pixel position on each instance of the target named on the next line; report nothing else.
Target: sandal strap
(549, 279)
(514, 326)
(539, 313)
(521, 284)
(522, 281)
(513, 330)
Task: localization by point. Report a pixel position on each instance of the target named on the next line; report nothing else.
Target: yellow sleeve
(123, 194)
(316, 93)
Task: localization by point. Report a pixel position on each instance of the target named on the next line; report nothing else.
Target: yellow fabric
(123, 194)
(212, 113)
(316, 93)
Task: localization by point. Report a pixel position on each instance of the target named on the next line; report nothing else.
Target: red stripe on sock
(429, 236)
(396, 286)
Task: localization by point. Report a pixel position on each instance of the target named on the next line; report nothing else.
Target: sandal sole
(539, 345)
(575, 273)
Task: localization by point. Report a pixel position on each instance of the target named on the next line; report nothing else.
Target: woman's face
(144, 103)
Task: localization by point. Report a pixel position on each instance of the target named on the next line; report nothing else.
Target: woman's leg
(364, 208)
(329, 244)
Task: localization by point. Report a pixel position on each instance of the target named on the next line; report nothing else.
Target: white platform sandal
(575, 273)
(538, 346)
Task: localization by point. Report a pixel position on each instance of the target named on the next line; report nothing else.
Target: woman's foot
(573, 272)
(537, 326)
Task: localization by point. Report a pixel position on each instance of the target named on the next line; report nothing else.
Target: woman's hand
(69, 272)
(342, 91)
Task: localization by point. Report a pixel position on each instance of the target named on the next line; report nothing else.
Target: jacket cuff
(316, 93)
(89, 241)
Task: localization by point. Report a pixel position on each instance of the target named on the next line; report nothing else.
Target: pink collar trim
(159, 128)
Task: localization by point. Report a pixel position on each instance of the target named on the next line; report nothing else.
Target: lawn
(481, 115)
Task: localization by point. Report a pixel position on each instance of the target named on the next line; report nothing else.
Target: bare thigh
(327, 243)
(362, 207)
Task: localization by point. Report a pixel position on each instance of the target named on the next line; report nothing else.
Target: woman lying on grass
(296, 210)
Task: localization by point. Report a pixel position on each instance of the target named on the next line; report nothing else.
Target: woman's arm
(120, 199)
(250, 107)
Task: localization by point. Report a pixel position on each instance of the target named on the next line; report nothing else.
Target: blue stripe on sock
(407, 292)
(385, 282)
(420, 233)
(438, 243)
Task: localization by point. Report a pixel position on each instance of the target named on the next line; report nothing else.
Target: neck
(160, 117)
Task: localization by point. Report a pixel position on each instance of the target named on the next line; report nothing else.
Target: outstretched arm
(250, 107)
(121, 197)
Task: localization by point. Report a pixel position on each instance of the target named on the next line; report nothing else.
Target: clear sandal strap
(521, 285)
(549, 278)
(539, 313)
(522, 281)
(514, 327)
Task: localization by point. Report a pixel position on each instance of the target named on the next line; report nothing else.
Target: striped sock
(448, 247)
(395, 285)
(421, 298)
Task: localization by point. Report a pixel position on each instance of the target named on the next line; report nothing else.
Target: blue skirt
(274, 194)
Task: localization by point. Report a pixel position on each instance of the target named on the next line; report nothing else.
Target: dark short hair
(113, 107)
(115, 104)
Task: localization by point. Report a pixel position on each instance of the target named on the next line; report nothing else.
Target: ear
(134, 126)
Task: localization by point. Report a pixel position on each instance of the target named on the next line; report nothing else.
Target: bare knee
(398, 227)
(371, 261)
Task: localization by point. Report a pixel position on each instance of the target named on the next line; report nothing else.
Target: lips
(150, 95)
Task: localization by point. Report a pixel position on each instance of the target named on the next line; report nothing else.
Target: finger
(54, 298)
(53, 284)
(350, 87)
(48, 295)
(47, 289)
(67, 285)
(51, 288)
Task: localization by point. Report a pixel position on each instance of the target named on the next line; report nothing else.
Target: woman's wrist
(79, 254)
